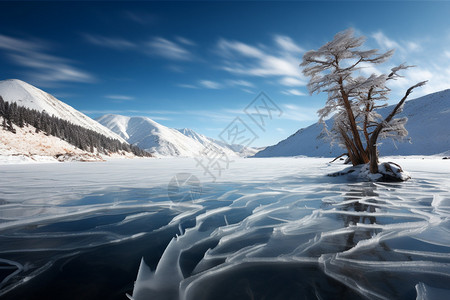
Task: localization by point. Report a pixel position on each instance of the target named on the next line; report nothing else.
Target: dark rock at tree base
(387, 172)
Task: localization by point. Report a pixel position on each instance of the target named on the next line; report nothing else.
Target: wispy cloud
(119, 97)
(15, 44)
(187, 86)
(434, 68)
(142, 18)
(185, 41)
(210, 84)
(176, 49)
(245, 59)
(291, 111)
(42, 67)
(168, 49)
(385, 42)
(229, 83)
(243, 83)
(280, 130)
(298, 113)
(152, 114)
(109, 42)
(292, 81)
(404, 46)
(287, 44)
(293, 92)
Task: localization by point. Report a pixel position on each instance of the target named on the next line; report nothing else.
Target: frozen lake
(274, 228)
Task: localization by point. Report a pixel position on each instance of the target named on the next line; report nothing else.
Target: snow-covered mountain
(24, 94)
(236, 148)
(428, 126)
(159, 139)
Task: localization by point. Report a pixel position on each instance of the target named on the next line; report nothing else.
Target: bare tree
(335, 68)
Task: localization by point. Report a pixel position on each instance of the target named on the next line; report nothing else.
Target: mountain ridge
(26, 95)
(427, 117)
(164, 141)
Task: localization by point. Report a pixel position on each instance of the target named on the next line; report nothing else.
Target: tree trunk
(373, 154)
(361, 153)
(353, 154)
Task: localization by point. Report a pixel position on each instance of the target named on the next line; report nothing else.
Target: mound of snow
(428, 123)
(387, 171)
(24, 94)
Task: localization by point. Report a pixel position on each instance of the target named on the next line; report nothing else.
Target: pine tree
(78, 136)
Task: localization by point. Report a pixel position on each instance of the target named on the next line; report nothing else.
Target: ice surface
(275, 228)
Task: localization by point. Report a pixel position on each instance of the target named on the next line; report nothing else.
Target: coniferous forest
(80, 137)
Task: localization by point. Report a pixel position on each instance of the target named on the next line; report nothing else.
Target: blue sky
(199, 64)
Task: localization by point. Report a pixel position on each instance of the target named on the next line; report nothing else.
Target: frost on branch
(353, 99)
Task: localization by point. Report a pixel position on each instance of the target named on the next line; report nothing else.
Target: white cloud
(248, 91)
(119, 97)
(210, 84)
(299, 113)
(292, 81)
(168, 49)
(152, 114)
(413, 46)
(187, 86)
(368, 69)
(243, 83)
(385, 42)
(185, 41)
(437, 77)
(287, 44)
(115, 43)
(142, 18)
(293, 92)
(244, 59)
(280, 130)
(14, 44)
(218, 85)
(173, 50)
(403, 46)
(44, 68)
(240, 48)
(433, 65)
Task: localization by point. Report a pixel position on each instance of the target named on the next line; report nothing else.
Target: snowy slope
(158, 139)
(13, 90)
(26, 146)
(428, 126)
(237, 149)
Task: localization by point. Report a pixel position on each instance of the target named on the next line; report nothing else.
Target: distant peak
(185, 129)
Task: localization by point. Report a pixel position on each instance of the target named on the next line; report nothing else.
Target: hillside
(428, 124)
(30, 133)
(26, 95)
